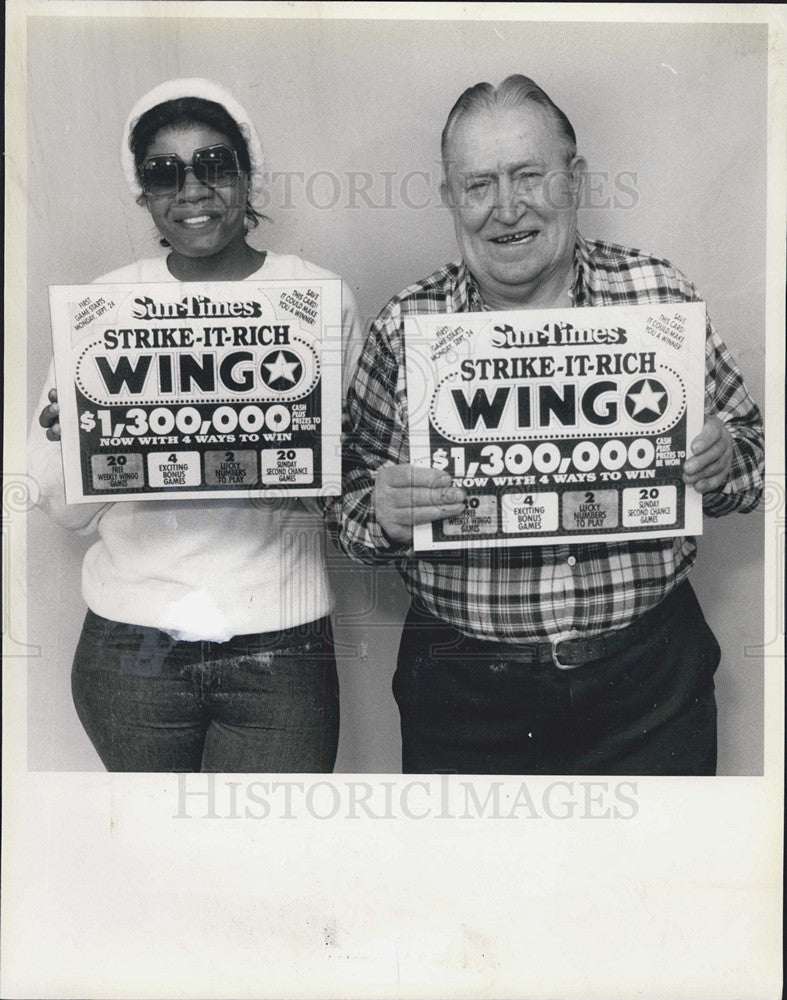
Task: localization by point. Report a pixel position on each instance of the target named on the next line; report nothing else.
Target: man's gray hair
(513, 92)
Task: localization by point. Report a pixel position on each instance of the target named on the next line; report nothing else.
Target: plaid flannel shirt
(534, 593)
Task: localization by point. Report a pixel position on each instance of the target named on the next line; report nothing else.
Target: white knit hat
(171, 90)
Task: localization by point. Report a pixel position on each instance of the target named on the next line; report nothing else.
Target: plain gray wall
(358, 106)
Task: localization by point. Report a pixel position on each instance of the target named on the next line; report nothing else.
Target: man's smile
(522, 236)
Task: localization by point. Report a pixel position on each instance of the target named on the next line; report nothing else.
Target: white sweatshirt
(207, 568)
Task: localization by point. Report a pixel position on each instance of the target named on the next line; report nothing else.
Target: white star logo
(281, 368)
(646, 399)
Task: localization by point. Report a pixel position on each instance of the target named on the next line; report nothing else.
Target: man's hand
(710, 464)
(49, 417)
(405, 495)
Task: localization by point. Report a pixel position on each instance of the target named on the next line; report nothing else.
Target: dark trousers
(649, 709)
(257, 703)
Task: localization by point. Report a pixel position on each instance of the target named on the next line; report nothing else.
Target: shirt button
(571, 561)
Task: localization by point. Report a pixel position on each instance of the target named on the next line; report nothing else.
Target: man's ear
(445, 194)
(577, 169)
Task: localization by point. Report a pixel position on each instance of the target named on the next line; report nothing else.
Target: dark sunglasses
(213, 166)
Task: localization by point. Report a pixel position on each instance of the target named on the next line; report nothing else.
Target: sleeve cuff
(382, 543)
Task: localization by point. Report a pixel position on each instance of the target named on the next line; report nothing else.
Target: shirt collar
(468, 297)
(580, 289)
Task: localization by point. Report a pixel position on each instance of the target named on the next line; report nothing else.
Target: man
(583, 658)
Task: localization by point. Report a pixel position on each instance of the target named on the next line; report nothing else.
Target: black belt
(568, 653)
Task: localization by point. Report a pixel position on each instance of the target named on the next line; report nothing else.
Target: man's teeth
(515, 237)
(196, 220)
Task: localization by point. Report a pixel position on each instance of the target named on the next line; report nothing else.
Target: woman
(207, 642)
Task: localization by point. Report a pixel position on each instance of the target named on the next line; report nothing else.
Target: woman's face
(198, 220)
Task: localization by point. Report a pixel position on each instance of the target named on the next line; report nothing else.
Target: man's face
(513, 195)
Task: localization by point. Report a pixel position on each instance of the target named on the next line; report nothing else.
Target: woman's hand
(49, 417)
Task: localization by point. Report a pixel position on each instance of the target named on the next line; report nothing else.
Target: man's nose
(509, 204)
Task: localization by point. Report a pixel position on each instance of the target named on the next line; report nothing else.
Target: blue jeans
(256, 703)
(650, 709)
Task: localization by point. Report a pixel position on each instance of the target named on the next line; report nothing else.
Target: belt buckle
(555, 656)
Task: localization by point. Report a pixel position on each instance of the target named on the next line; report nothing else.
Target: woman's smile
(196, 220)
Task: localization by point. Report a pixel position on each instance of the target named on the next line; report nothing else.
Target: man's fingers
(716, 451)
(710, 468)
(718, 468)
(713, 435)
(405, 495)
(412, 475)
(424, 496)
(707, 437)
(717, 459)
(424, 515)
(53, 432)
